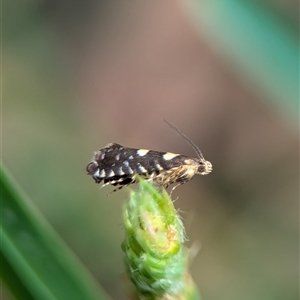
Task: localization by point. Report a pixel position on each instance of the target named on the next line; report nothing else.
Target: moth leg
(123, 182)
(157, 181)
(177, 185)
(117, 189)
(174, 187)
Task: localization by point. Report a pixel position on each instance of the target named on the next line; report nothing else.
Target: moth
(120, 166)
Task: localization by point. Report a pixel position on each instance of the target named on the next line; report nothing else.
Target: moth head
(205, 167)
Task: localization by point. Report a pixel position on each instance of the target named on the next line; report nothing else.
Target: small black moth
(117, 165)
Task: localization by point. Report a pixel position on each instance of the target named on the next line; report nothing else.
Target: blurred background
(77, 75)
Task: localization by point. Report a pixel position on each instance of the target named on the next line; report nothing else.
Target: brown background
(77, 76)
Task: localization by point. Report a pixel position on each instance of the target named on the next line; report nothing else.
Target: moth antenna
(188, 140)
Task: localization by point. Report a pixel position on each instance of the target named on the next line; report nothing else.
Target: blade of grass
(257, 43)
(36, 263)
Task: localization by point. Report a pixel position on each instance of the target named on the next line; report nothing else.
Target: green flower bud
(155, 257)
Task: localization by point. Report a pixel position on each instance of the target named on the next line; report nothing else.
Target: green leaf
(36, 263)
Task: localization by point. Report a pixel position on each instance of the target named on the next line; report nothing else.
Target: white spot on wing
(130, 157)
(158, 166)
(141, 169)
(169, 155)
(142, 152)
(117, 156)
(120, 172)
(102, 174)
(111, 174)
(126, 165)
(102, 155)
